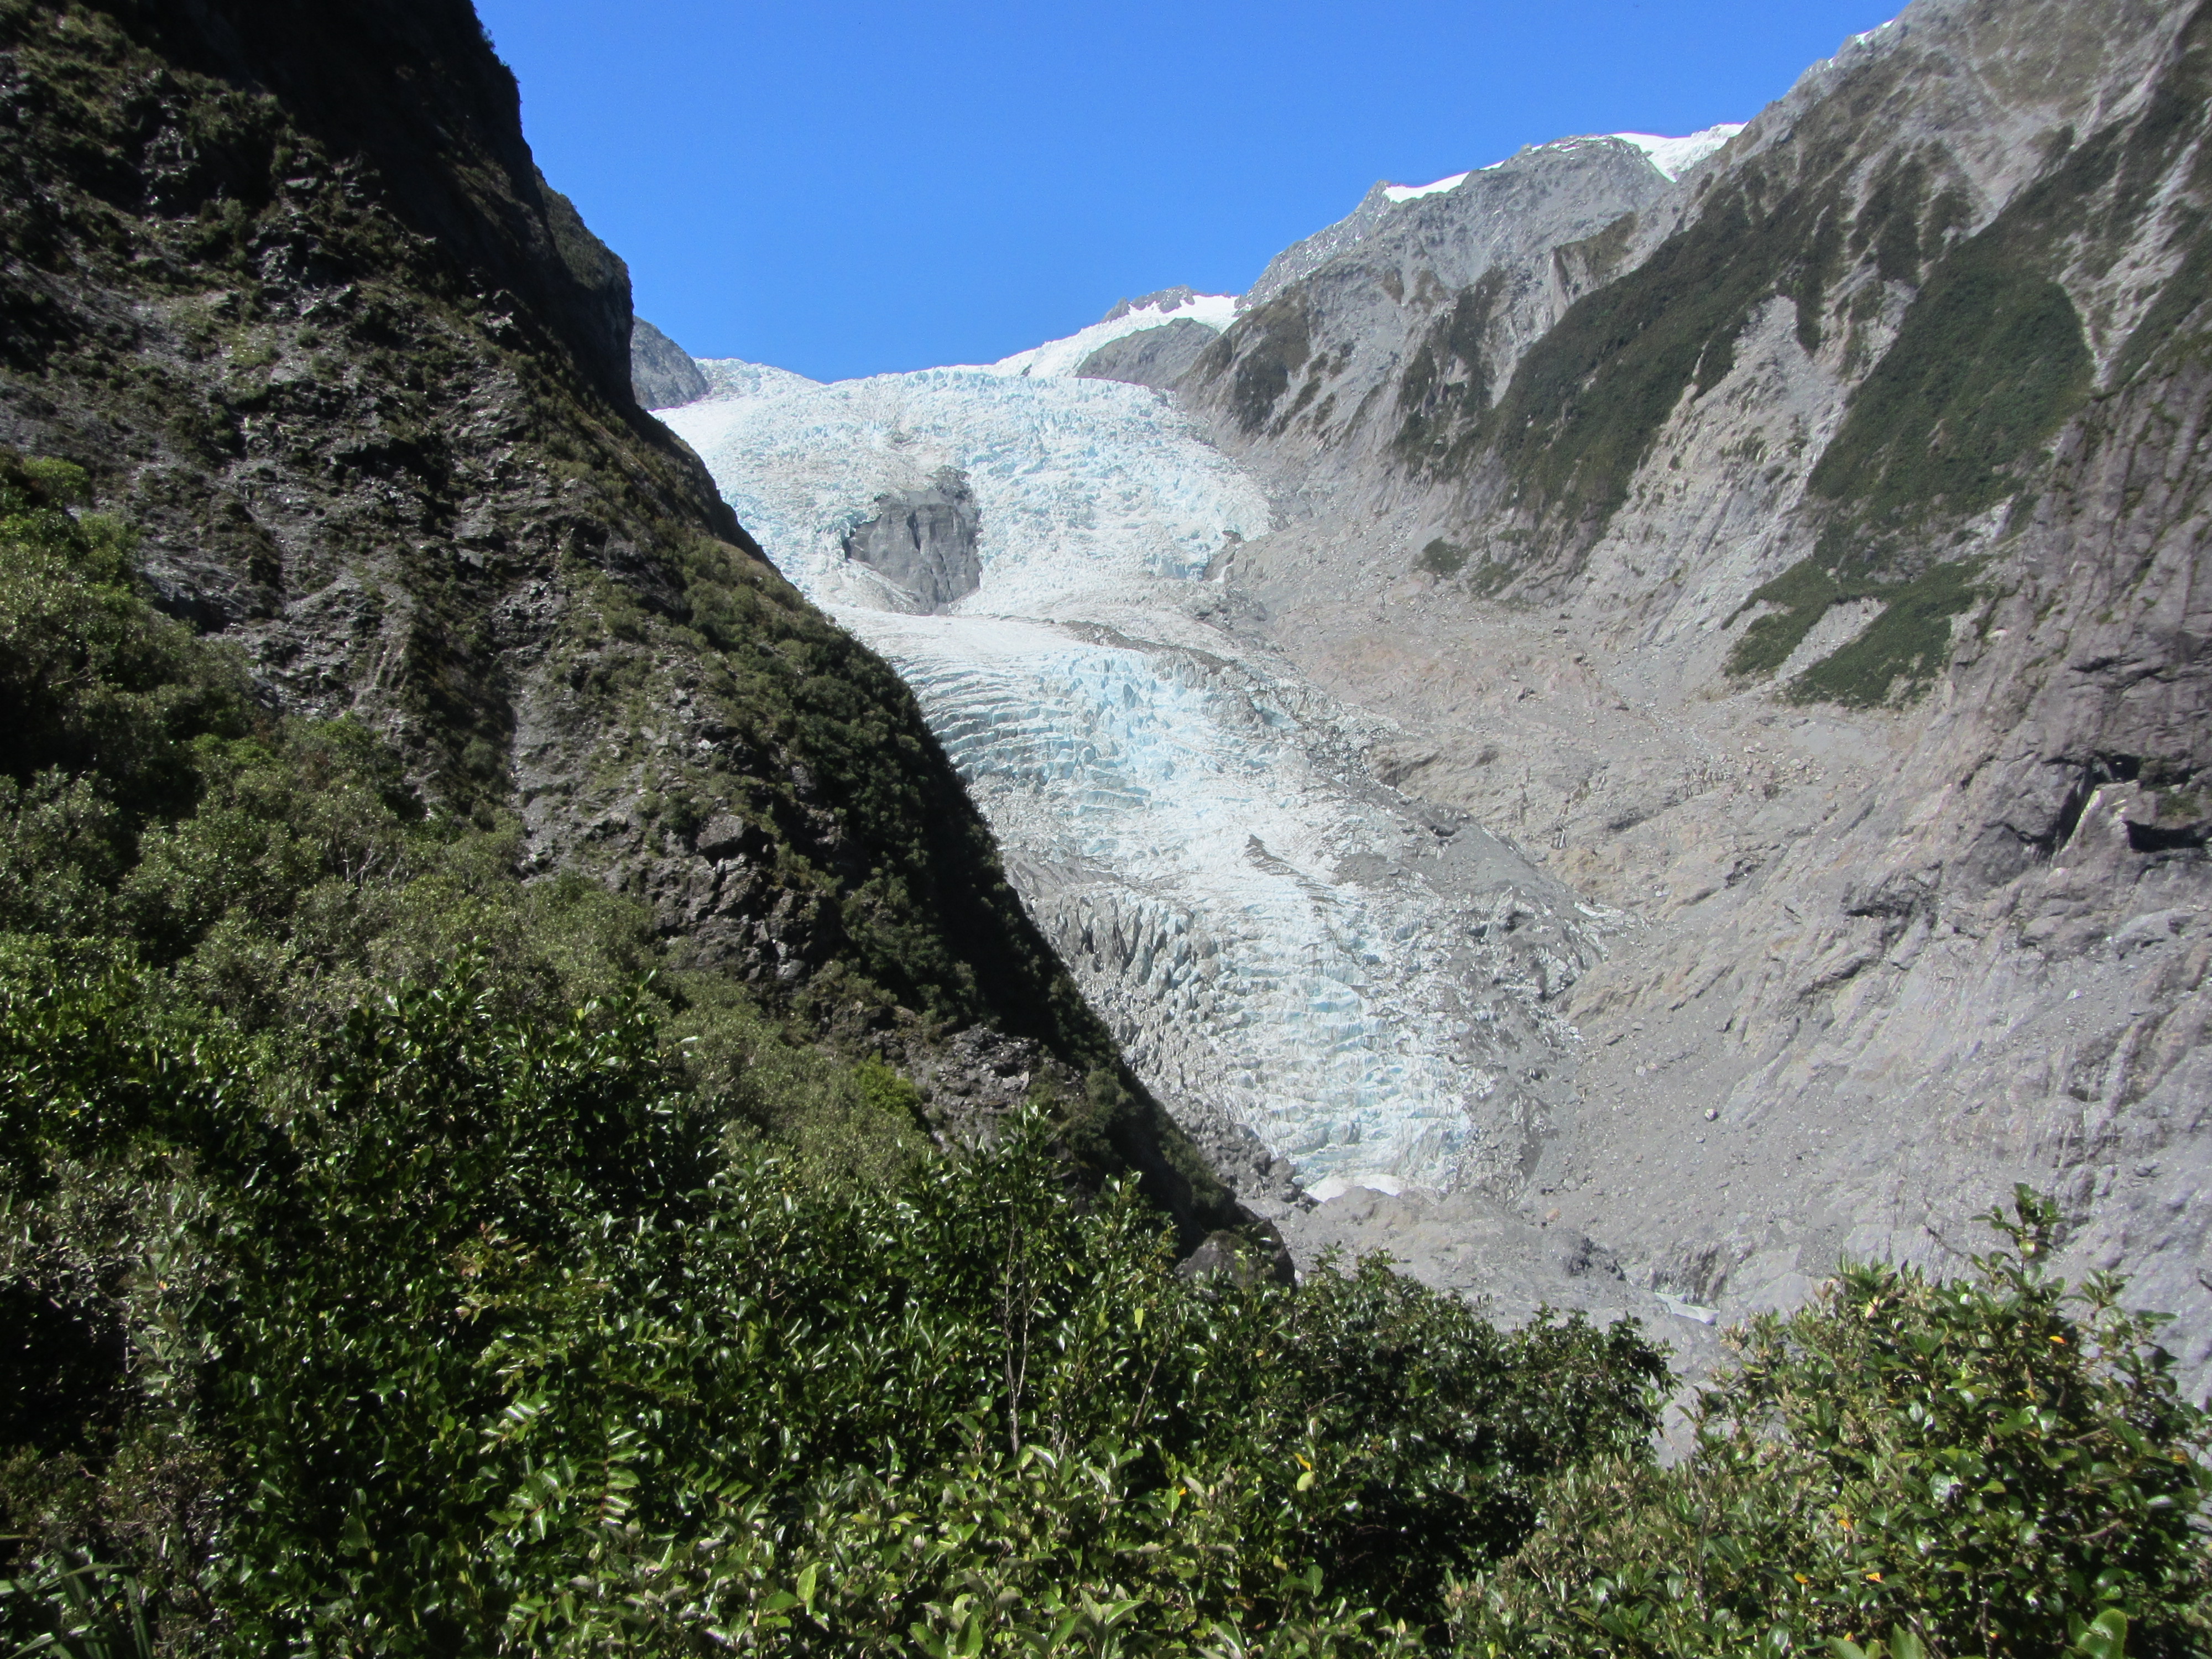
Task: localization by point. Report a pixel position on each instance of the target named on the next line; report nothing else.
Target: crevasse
(1276, 940)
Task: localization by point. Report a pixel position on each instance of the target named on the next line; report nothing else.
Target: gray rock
(1405, 311)
(1877, 963)
(1167, 299)
(1151, 356)
(428, 495)
(923, 540)
(1240, 1259)
(662, 373)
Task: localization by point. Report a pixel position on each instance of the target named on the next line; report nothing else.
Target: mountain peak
(1164, 300)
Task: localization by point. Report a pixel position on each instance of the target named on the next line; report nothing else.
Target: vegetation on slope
(1907, 1466)
(1955, 417)
(286, 282)
(393, 1262)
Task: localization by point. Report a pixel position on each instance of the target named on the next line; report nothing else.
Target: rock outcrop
(1155, 357)
(1409, 312)
(923, 541)
(662, 373)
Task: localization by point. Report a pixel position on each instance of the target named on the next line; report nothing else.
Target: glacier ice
(1279, 942)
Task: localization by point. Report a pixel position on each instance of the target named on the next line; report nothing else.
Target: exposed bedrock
(287, 282)
(1153, 357)
(1819, 581)
(923, 540)
(662, 373)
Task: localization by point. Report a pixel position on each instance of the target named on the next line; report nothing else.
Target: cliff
(662, 374)
(287, 284)
(1805, 556)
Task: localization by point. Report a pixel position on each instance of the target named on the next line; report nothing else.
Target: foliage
(1989, 362)
(1588, 400)
(1441, 557)
(1960, 1468)
(1902, 650)
(1897, 655)
(500, 1348)
(399, 1257)
(90, 678)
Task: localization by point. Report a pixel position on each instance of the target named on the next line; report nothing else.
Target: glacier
(1285, 948)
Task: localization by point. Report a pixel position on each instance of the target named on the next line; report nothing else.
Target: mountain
(289, 287)
(1803, 557)
(1783, 539)
(532, 1118)
(1283, 948)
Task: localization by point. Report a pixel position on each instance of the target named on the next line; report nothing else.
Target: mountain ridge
(1808, 704)
(362, 382)
(1748, 468)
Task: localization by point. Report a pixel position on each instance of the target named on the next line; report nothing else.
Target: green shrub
(1902, 650)
(1957, 1468)
(1442, 558)
(1989, 362)
(500, 1349)
(1897, 655)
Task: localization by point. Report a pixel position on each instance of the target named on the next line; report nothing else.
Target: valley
(1488, 863)
(1500, 949)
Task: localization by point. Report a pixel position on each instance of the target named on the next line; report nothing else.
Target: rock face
(1783, 564)
(1807, 559)
(1409, 311)
(923, 541)
(662, 373)
(1156, 357)
(287, 282)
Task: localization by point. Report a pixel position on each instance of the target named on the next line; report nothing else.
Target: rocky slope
(1805, 558)
(662, 374)
(288, 282)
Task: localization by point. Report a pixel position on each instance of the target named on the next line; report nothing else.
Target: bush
(397, 1257)
(1953, 1467)
(496, 1349)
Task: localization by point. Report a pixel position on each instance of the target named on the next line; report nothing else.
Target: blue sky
(847, 187)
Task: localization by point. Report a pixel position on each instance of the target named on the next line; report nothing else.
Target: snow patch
(1676, 156)
(1402, 193)
(1064, 357)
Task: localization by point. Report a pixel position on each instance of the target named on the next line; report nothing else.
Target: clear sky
(846, 187)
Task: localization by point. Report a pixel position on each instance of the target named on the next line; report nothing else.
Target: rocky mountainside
(662, 374)
(287, 283)
(1805, 558)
